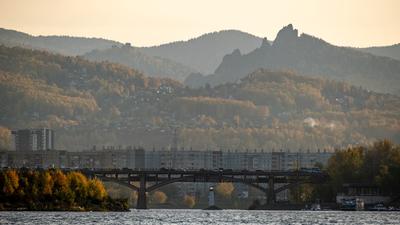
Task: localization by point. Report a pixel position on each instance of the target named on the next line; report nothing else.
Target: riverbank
(54, 190)
(112, 205)
(292, 206)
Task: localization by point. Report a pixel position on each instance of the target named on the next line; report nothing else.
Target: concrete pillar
(271, 190)
(211, 201)
(142, 201)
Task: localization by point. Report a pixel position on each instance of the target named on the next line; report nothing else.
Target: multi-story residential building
(108, 158)
(188, 159)
(34, 159)
(33, 139)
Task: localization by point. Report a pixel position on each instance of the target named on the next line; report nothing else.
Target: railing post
(271, 191)
(142, 201)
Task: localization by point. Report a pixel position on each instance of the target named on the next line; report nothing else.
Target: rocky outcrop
(308, 55)
(287, 35)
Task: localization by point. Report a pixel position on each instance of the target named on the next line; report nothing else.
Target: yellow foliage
(225, 189)
(189, 201)
(96, 189)
(47, 183)
(159, 197)
(11, 183)
(60, 181)
(78, 184)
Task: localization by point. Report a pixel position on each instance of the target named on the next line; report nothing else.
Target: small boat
(213, 207)
(315, 207)
(379, 207)
(352, 204)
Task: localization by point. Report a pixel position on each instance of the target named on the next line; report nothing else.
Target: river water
(162, 216)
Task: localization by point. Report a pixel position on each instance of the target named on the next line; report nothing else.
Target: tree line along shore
(24, 189)
(54, 190)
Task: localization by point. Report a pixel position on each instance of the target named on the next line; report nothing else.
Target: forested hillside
(299, 112)
(150, 65)
(99, 104)
(392, 51)
(67, 93)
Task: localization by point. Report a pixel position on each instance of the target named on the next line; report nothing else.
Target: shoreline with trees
(54, 190)
(375, 165)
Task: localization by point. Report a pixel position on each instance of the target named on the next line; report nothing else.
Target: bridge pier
(271, 198)
(142, 201)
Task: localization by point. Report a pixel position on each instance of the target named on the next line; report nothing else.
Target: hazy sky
(149, 22)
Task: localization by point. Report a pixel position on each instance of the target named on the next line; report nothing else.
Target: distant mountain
(309, 56)
(135, 58)
(58, 44)
(205, 53)
(392, 51)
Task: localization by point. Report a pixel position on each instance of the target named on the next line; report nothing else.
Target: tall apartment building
(33, 139)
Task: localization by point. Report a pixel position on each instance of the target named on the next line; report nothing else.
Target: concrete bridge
(263, 180)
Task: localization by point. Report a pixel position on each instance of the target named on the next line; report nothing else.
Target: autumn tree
(54, 190)
(61, 189)
(159, 197)
(378, 164)
(46, 183)
(11, 182)
(78, 184)
(225, 189)
(96, 189)
(189, 201)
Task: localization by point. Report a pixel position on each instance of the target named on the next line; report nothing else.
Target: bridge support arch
(160, 178)
(142, 199)
(271, 195)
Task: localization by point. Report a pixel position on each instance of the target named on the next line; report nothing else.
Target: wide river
(161, 216)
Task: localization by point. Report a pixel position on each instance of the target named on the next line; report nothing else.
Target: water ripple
(199, 217)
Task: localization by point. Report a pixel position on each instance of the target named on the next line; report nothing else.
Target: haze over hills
(392, 51)
(58, 44)
(202, 54)
(136, 59)
(309, 56)
(205, 53)
(103, 103)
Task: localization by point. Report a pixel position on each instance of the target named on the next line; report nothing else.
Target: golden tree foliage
(47, 183)
(159, 197)
(78, 184)
(189, 201)
(96, 189)
(225, 189)
(60, 187)
(51, 188)
(11, 182)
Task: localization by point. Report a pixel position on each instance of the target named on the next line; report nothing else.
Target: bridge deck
(201, 172)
